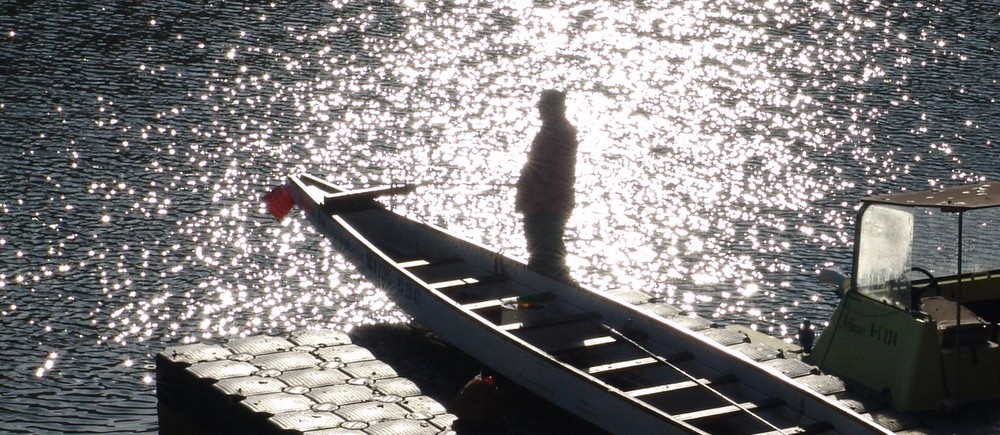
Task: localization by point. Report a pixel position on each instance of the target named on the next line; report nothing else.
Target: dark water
(723, 147)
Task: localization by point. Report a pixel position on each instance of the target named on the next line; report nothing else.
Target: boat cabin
(917, 323)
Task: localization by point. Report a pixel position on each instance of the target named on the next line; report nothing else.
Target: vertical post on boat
(958, 317)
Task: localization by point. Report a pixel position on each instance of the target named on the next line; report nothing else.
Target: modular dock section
(377, 380)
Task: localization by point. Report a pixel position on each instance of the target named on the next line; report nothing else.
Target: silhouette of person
(545, 189)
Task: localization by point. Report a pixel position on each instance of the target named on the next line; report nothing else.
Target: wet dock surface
(383, 379)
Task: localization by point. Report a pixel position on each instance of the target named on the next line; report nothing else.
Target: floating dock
(377, 380)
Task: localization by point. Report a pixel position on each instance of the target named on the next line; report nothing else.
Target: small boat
(917, 322)
(623, 367)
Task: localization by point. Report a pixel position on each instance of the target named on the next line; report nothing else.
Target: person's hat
(552, 97)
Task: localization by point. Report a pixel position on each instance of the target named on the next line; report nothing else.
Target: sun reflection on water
(676, 170)
(723, 145)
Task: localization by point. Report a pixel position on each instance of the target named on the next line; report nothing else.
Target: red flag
(279, 201)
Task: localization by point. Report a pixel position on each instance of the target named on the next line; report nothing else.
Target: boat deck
(676, 383)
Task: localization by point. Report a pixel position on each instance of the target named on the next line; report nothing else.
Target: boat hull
(373, 239)
(900, 356)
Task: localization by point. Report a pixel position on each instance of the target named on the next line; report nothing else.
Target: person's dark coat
(547, 180)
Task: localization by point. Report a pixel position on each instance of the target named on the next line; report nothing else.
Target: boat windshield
(899, 246)
(885, 243)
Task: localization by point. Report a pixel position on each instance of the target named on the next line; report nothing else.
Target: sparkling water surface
(723, 148)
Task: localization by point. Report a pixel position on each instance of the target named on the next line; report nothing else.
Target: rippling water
(724, 145)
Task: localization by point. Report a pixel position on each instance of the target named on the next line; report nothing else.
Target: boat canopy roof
(957, 199)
